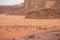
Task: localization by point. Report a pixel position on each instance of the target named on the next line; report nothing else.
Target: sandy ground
(7, 21)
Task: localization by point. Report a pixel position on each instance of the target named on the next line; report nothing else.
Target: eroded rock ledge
(44, 14)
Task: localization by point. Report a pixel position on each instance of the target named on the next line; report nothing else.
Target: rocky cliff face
(33, 7)
(41, 4)
(30, 5)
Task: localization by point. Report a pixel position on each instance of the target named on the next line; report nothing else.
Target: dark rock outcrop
(44, 14)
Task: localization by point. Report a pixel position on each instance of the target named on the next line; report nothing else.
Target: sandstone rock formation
(44, 14)
(30, 5)
(41, 4)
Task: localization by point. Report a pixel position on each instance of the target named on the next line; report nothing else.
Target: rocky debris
(11, 28)
(44, 14)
